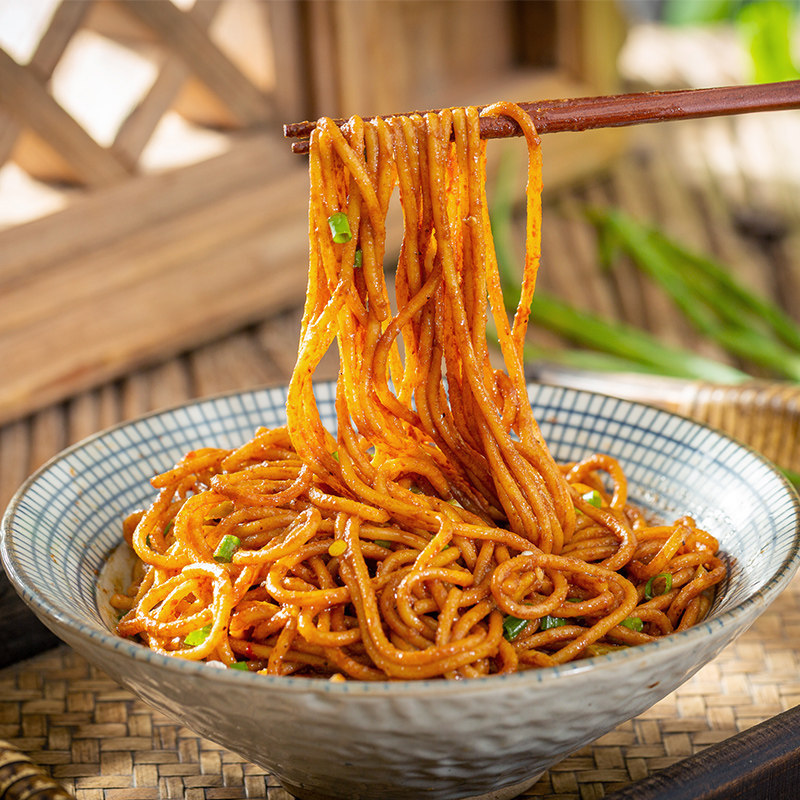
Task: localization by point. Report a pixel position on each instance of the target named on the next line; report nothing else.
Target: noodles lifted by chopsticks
(433, 534)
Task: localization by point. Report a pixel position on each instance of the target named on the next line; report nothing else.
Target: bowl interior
(65, 521)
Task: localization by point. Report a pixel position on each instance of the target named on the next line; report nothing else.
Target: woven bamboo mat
(101, 743)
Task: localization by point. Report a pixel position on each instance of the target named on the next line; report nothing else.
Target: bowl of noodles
(429, 578)
(485, 736)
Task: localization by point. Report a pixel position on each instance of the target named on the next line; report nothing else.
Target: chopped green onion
(340, 227)
(383, 543)
(240, 665)
(593, 498)
(648, 587)
(634, 623)
(548, 622)
(194, 638)
(335, 455)
(513, 627)
(168, 526)
(359, 260)
(227, 546)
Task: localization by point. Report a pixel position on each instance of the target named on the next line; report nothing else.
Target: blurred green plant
(699, 12)
(747, 326)
(765, 27)
(602, 344)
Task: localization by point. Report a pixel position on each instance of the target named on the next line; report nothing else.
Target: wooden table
(102, 743)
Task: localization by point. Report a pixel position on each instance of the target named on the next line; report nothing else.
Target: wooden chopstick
(611, 111)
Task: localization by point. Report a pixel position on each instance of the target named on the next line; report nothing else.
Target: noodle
(434, 534)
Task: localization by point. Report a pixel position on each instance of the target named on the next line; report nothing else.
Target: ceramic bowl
(490, 737)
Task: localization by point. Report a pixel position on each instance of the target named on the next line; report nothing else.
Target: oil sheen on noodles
(433, 534)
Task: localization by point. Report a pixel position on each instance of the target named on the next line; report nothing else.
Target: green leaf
(698, 12)
(727, 291)
(712, 301)
(794, 477)
(626, 341)
(623, 344)
(766, 30)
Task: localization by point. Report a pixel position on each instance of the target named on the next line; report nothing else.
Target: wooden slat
(713, 228)
(624, 281)
(424, 75)
(95, 220)
(231, 363)
(186, 39)
(170, 383)
(14, 458)
(27, 99)
(9, 130)
(278, 336)
(66, 20)
(580, 260)
(137, 128)
(639, 197)
(590, 37)
(148, 255)
(48, 434)
(139, 300)
(354, 23)
(134, 395)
